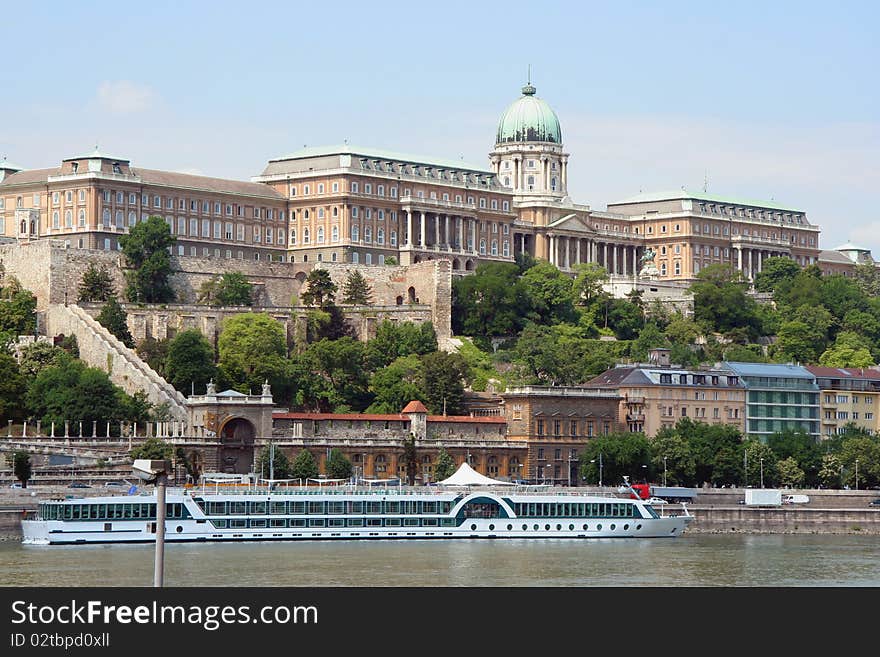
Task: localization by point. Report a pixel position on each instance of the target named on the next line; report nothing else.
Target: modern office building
(778, 398)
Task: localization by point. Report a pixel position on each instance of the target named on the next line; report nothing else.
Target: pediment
(571, 222)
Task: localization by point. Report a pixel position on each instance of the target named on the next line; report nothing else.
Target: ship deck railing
(391, 490)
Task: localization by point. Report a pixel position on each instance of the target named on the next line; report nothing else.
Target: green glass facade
(781, 404)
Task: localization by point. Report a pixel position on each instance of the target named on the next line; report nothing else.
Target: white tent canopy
(467, 476)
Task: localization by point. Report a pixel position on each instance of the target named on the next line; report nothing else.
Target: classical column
(760, 260)
(739, 259)
(564, 174)
(623, 253)
(522, 240)
(461, 233)
(446, 230)
(473, 248)
(567, 243)
(436, 230)
(409, 228)
(577, 257)
(422, 226)
(614, 259)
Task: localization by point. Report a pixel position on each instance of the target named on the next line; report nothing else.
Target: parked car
(17, 484)
(117, 484)
(656, 500)
(78, 484)
(875, 502)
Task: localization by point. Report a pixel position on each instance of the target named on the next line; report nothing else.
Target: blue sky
(766, 100)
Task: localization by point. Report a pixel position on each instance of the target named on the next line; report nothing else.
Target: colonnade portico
(750, 260)
(566, 251)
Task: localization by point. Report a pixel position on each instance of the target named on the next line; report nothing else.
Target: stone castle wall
(418, 293)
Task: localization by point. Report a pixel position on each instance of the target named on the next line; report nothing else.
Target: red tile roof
(844, 372)
(496, 419)
(414, 406)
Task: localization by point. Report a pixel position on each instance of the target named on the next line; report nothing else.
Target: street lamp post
(645, 473)
(664, 472)
(857, 474)
(156, 472)
(745, 468)
(546, 466)
(600, 468)
(762, 473)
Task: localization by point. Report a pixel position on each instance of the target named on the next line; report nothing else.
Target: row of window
(193, 205)
(845, 415)
(146, 511)
(844, 399)
(354, 188)
(557, 426)
(279, 523)
(751, 213)
(324, 507)
(573, 510)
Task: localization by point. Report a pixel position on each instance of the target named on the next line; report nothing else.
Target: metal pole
(664, 472)
(159, 569)
(762, 473)
(857, 474)
(600, 469)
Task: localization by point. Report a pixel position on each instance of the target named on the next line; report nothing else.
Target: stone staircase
(103, 350)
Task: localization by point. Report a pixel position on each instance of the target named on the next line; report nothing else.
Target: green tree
(189, 364)
(96, 284)
(650, 337)
(849, 350)
(341, 365)
(252, 348)
(867, 278)
(146, 249)
(320, 289)
(397, 384)
(394, 340)
(444, 466)
(72, 391)
(304, 466)
(550, 293)
(114, 318)
(37, 356)
(356, 290)
(275, 466)
(625, 318)
(410, 459)
(623, 454)
(721, 302)
(444, 378)
(802, 448)
(799, 342)
(338, 466)
(13, 388)
(228, 289)
(20, 461)
(774, 270)
(670, 450)
(154, 353)
(17, 311)
(587, 284)
(761, 464)
(830, 471)
(153, 448)
(491, 302)
(790, 474)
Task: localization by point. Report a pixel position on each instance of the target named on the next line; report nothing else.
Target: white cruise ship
(345, 512)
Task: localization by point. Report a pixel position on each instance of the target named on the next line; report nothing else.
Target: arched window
(354, 233)
(380, 236)
(120, 219)
(553, 184)
(68, 219)
(334, 234)
(494, 247)
(306, 236)
(105, 217)
(305, 214)
(132, 219)
(293, 235)
(393, 238)
(505, 249)
(482, 247)
(56, 219)
(368, 234)
(82, 218)
(320, 234)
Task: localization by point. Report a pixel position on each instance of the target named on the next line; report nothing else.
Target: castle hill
(360, 314)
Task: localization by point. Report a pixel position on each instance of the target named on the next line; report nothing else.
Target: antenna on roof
(706, 182)
(529, 76)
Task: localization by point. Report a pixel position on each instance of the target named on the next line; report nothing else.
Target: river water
(692, 560)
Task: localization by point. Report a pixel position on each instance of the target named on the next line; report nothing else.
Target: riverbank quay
(716, 510)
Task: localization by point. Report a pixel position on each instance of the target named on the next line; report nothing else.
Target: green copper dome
(529, 119)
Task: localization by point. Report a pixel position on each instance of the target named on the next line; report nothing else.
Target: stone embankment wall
(101, 349)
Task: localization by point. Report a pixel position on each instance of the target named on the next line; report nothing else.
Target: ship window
(238, 507)
(278, 508)
(278, 522)
(316, 522)
(258, 508)
(298, 507)
(316, 507)
(238, 523)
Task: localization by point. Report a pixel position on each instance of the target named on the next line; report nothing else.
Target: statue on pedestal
(648, 268)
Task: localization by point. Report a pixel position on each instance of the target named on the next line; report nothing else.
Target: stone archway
(237, 446)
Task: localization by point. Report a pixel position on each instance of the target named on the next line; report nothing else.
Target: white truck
(763, 497)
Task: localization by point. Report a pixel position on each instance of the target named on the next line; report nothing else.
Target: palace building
(363, 205)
